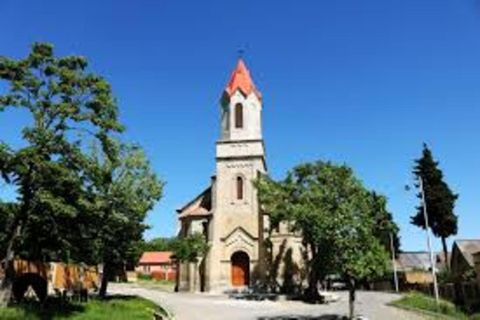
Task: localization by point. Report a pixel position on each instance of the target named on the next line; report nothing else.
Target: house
(160, 264)
(463, 263)
(228, 212)
(415, 267)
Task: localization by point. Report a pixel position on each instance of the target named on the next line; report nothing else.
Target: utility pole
(429, 242)
(395, 277)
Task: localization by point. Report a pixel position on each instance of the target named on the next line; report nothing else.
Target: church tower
(228, 212)
(241, 107)
(236, 227)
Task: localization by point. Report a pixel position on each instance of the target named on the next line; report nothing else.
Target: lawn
(421, 302)
(117, 307)
(163, 285)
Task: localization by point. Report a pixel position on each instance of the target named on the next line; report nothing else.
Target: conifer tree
(440, 200)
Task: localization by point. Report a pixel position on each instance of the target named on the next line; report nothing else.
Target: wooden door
(240, 269)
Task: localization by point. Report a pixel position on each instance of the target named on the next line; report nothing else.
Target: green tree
(439, 198)
(68, 106)
(6, 216)
(191, 249)
(386, 229)
(333, 212)
(157, 244)
(123, 191)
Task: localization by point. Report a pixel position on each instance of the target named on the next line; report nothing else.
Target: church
(243, 250)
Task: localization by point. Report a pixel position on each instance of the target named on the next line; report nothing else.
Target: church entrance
(240, 269)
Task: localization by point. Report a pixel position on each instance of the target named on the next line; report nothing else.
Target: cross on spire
(240, 52)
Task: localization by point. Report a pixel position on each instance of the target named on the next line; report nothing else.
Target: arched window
(238, 115)
(239, 188)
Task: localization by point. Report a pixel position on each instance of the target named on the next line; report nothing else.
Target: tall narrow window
(238, 115)
(239, 188)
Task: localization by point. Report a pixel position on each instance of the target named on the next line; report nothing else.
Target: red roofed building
(227, 211)
(159, 262)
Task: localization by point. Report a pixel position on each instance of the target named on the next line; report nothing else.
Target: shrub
(143, 276)
(445, 276)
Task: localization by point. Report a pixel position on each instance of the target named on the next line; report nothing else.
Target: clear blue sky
(361, 82)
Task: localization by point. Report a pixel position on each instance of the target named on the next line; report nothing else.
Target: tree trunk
(105, 276)
(7, 282)
(445, 253)
(312, 290)
(6, 287)
(195, 272)
(351, 297)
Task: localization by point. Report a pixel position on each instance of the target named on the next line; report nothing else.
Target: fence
(169, 275)
(465, 293)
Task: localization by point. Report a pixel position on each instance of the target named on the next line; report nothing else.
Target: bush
(143, 276)
(445, 276)
(475, 316)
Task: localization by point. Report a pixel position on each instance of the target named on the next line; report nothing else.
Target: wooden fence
(48, 278)
(465, 293)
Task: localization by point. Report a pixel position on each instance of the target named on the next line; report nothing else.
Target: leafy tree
(6, 217)
(157, 244)
(68, 106)
(385, 227)
(333, 212)
(191, 249)
(123, 191)
(439, 198)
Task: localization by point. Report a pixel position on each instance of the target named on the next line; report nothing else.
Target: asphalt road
(187, 306)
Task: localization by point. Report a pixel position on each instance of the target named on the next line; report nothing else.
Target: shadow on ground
(54, 308)
(294, 317)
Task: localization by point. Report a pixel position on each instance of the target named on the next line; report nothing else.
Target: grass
(163, 285)
(421, 302)
(116, 307)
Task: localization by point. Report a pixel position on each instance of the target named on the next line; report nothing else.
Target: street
(187, 306)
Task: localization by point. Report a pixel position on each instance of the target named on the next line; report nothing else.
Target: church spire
(242, 81)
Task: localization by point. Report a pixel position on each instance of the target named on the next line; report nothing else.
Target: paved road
(186, 306)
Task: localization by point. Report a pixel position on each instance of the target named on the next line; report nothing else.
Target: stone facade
(228, 212)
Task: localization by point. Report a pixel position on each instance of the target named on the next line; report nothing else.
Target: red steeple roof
(241, 80)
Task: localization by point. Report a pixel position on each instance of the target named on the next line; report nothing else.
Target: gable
(240, 239)
(466, 249)
(200, 206)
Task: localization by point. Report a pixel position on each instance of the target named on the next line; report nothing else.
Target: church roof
(241, 80)
(200, 206)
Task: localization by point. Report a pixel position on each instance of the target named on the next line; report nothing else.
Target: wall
(476, 259)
